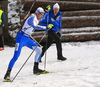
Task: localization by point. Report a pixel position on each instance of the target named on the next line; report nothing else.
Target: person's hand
(47, 8)
(50, 26)
(59, 33)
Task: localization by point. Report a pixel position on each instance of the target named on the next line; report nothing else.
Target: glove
(47, 8)
(50, 26)
(59, 33)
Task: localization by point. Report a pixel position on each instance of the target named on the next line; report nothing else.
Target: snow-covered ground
(82, 69)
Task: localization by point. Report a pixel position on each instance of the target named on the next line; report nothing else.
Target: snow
(81, 69)
(81, 29)
(83, 33)
(14, 9)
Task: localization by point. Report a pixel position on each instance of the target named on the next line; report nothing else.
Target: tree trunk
(8, 40)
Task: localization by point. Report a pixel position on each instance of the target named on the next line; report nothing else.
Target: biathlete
(23, 39)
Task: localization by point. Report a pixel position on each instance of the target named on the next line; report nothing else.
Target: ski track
(81, 69)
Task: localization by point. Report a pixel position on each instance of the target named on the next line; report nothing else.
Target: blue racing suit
(22, 39)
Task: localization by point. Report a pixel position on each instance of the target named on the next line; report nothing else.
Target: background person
(2, 21)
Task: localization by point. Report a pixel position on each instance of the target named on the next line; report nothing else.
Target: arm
(3, 19)
(60, 29)
(60, 25)
(57, 21)
(30, 22)
(59, 33)
(43, 21)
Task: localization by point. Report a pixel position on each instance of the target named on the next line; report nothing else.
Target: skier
(22, 39)
(52, 19)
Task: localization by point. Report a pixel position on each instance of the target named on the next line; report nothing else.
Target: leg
(38, 51)
(47, 45)
(32, 45)
(1, 38)
(18, 47)
(1, 41)
(58, 44)
(12, 62)
(20, 42)
(36, 69)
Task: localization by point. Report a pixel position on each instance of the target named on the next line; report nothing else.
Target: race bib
(16, 46)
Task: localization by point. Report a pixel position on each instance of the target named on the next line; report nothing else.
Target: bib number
(16, 46)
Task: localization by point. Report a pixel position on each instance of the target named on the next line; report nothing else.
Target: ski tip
(52, 72)
(7, 80)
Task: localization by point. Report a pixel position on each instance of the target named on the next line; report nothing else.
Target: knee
(16, 55)
(38, 50)
(58, 39)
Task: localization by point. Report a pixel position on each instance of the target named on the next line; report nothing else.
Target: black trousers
(53, 36)
(1, 38)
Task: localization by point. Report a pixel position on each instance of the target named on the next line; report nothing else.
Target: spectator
(52, 20)
(2, 21)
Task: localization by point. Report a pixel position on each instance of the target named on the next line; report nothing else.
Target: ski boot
(7, 76)
(62, 58)
(38, 71)
(40, 61)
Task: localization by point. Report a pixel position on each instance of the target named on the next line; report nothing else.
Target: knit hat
(56, 6)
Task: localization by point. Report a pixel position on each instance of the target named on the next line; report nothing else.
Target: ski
(45, 72)
(83, 68)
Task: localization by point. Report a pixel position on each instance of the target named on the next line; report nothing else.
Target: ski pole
(35, 41)
(30, 9)
(28, 58)
(46, 42)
